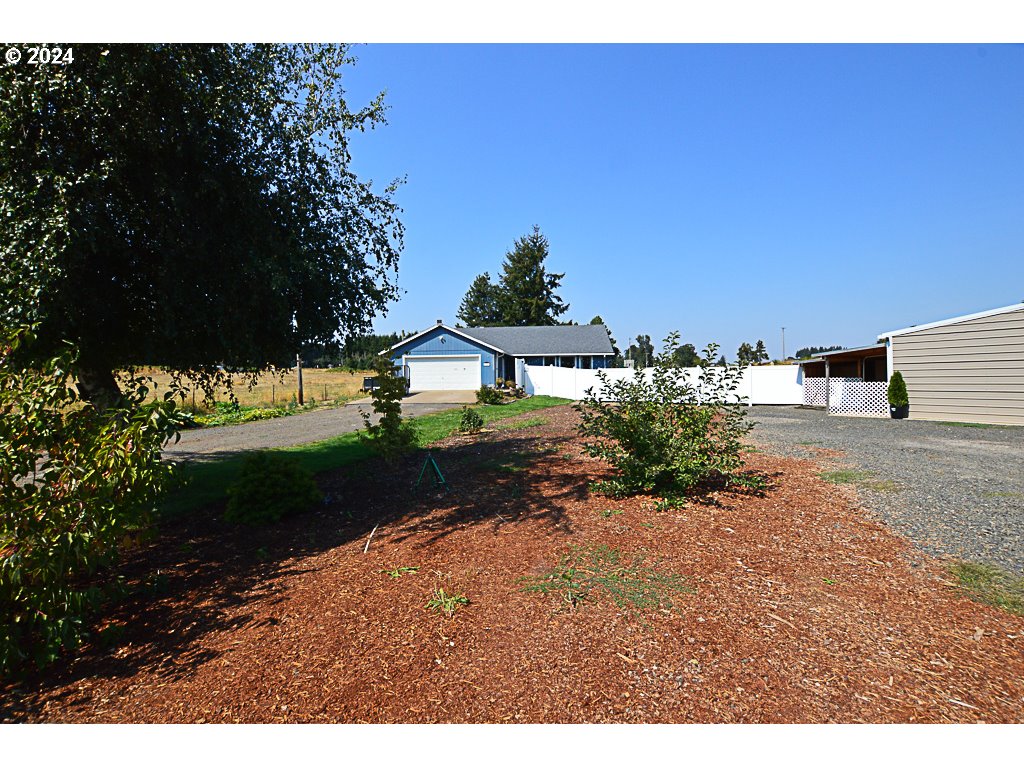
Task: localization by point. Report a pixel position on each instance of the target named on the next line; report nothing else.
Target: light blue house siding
(441, 341)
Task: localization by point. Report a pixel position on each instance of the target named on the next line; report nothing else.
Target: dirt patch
(802, 609)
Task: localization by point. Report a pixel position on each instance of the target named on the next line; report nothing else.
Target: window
(585, 361)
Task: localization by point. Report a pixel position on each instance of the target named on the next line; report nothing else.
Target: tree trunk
(97, 385)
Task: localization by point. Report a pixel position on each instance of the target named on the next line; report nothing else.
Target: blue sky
(722, 190)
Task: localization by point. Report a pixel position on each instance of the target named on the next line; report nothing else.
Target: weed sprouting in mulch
(446, 603)
(584, 573)
(401, 570)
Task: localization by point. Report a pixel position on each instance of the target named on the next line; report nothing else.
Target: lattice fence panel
(856, 396)
(814, 391)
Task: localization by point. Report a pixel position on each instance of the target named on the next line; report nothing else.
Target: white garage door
(456, 372)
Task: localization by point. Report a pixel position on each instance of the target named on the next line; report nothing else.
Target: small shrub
(667, 432)
(488, 396)
(471, 420)
(897, 391)
(270, 486)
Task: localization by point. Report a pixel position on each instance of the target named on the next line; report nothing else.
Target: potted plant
(899, 403)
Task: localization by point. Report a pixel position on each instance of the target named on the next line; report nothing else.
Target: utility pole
(783, 343)
(298, 370)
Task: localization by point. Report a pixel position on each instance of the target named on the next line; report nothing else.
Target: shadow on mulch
(195, 575)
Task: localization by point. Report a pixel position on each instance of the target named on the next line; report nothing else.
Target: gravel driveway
(953, 490)
(308, 427)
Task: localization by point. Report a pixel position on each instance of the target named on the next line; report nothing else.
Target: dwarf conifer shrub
(392, 435)
(897, 391)
(270, 486)
(665, 432)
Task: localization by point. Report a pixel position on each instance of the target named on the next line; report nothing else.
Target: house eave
(951, 321)
(449, 329)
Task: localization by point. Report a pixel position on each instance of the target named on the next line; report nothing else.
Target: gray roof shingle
(545, 339)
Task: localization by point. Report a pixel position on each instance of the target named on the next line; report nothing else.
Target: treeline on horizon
(357, 353)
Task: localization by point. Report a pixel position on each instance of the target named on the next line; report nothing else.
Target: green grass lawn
(206, 482)
(991, 585)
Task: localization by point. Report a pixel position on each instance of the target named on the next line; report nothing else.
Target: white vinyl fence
(760, 385)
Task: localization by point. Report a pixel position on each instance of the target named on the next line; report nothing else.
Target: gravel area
(308, 427)
(953, 490)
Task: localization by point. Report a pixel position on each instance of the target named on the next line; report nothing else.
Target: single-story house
(968, 368)
(443, 357)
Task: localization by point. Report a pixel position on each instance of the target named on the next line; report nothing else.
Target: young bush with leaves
(392, 435)
(666, 432)
(270, 486)
(489, 396)
(471, 421)
(75, 481)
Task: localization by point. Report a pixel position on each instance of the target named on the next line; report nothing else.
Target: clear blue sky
(725, 191)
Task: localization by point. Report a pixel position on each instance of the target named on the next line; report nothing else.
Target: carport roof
(839, 355)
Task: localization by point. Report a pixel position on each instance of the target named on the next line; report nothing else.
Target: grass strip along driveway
(206, 482)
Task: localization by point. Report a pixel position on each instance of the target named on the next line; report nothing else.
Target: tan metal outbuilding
(968, 368)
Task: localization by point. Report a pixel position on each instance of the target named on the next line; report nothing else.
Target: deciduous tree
(189, 206)
(745, 354)
(641, 353)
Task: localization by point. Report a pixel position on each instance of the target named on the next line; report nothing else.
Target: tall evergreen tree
(526, 292)
(617, 359)
(760, 353)
(480, 304)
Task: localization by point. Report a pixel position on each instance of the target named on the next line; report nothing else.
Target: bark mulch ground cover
(797, 607)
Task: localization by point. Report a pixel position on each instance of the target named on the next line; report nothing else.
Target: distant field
(319, 385)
